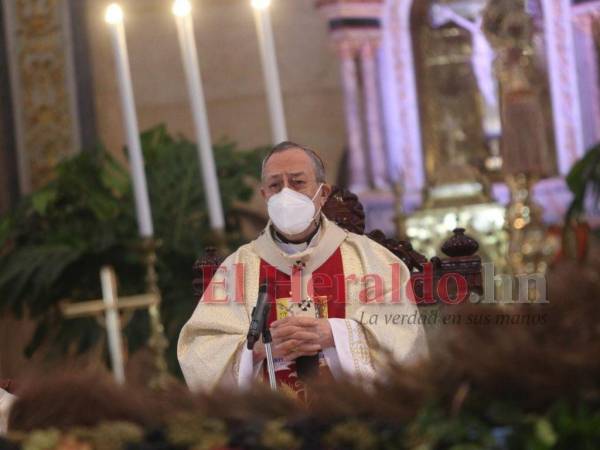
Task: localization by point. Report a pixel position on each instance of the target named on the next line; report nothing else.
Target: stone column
(356, 158)
(588, 74)
(562, 70)
(372, 104)
(353, 24)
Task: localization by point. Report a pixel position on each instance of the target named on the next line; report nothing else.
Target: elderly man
(339, 299)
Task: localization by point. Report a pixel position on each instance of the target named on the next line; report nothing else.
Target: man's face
(295, 170)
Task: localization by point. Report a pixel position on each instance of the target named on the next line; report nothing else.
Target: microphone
(260, 314)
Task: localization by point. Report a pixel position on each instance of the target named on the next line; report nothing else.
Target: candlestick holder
(219, 241)
(530, 248)
(158, 342)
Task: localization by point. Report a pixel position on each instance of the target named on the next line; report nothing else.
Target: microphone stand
(267, 339)
(259, 326)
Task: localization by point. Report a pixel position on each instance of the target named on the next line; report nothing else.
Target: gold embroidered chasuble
(211, 347)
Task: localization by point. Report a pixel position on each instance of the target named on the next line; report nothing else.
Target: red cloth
(328, 281)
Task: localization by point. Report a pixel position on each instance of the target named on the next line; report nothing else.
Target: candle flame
(114, 14)
(261, 4)
(182, 8)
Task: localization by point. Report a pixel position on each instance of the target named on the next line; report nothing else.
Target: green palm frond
(54, 243)
(584, 182)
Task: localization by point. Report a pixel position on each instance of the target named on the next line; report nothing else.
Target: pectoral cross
(110, 306)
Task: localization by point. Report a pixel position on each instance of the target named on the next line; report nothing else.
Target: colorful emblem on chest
(309, 307)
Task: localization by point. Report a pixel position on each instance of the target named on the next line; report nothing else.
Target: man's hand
(301, 336)
(297, 336)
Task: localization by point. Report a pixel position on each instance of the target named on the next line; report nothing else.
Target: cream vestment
(212, 344)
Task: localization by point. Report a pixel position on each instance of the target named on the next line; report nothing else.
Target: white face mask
(292, 212)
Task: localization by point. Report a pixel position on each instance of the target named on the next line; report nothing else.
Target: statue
(483, 56)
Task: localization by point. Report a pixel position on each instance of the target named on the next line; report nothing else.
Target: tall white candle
(113, 326)
(268, 56)
(114, 16)
(185, 30)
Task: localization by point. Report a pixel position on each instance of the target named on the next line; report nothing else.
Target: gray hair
(288, 145)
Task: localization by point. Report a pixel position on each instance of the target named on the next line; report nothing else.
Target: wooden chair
(344, 208)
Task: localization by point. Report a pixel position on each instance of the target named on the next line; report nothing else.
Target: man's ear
(263, 193)
(325, 193)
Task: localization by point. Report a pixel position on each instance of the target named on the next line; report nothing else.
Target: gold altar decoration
(449, 101)
(158, 342)
(455, 148)
(427, 229)
(526, 148)
(46, 122)
(527, 141)
(530, 246)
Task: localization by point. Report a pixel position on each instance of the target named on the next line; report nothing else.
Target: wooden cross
(109, 306)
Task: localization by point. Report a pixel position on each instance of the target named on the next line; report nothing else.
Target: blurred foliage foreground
(54, 243)
(487, 385)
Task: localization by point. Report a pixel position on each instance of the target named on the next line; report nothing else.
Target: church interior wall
(231, 72)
